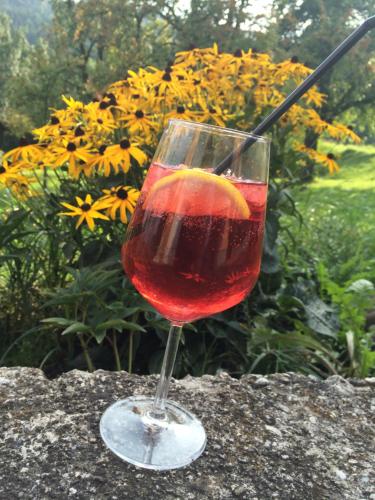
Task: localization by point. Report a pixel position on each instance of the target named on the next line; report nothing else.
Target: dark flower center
(167, 77)
(180, 110)
(112, 99)
(122, 194)
(2, 170)
(81, 162)
(79, 131)
(54, 120)
(100, 121)
(294, 59)
(102, 149)
(331, 156)
(125, 144)
(196, 82)
(135, 96)
(139, 114)
(62, 132)
(104, 105)
(212, 110)
(180, 77)
(237, 53)
(71, 147)
(85, 207)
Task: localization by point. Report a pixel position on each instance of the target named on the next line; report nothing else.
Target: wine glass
(193, 248)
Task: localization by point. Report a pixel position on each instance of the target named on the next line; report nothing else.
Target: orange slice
(195, 192)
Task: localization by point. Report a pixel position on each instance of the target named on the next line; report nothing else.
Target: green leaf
(77, 327)
(119, 325)
(58, 321)
(100, 336)
(321, 318)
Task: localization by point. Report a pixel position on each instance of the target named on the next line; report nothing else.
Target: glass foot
(133, 434)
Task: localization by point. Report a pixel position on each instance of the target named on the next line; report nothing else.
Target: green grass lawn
(339, 214)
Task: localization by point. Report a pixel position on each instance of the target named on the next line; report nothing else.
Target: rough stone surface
(278, 437)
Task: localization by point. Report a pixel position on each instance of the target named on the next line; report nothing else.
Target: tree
(30, 16)
(310, 30)
(13, 48)
(226, 22)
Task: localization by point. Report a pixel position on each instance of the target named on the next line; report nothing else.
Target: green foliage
(30, 16)
(339, 215)
(64, 301)
(310, 30)
(353, 302)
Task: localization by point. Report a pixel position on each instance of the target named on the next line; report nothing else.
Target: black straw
(298, 92)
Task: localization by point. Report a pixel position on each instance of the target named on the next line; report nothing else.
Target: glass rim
(221, 130)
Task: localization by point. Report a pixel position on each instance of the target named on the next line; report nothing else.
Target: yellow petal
(123, 213)
(80, 220)
(90, 222)
(71, 207)
(139, 155)
(98, 215)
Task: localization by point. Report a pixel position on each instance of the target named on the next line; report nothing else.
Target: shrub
(68, 193)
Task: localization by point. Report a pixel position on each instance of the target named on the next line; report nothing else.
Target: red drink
(191, 261)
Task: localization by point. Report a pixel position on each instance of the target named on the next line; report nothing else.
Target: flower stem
(115, 352)
(130, 354)
(90, 364)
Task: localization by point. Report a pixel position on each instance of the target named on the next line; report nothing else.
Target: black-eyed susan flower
(122, 199)
(213, 113)
(72, 104)
(20, 188)
(183, 112)
(139, 121)
(172, 79)
(104, 160)
(25, 150)
(86, 211)
(328, 160)
(98, 121)
(9, 173)
(122, 154)
(70, 153)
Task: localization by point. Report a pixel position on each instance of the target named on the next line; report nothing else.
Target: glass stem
(166, 371)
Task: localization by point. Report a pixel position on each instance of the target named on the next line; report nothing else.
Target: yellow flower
(123, 152)
(120, 198)
(104, 160)
(10, 173)
(85, 211)
(72, 154)
(213, 113)
(138, 121)
(25, 151)
(173, 78)
(99, 120)
(328, 160)
(73, 104)
(183, 113)
(20, 188)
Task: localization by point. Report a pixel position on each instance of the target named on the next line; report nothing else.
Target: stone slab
(284, 436)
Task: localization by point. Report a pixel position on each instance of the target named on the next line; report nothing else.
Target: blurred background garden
(86, 87)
